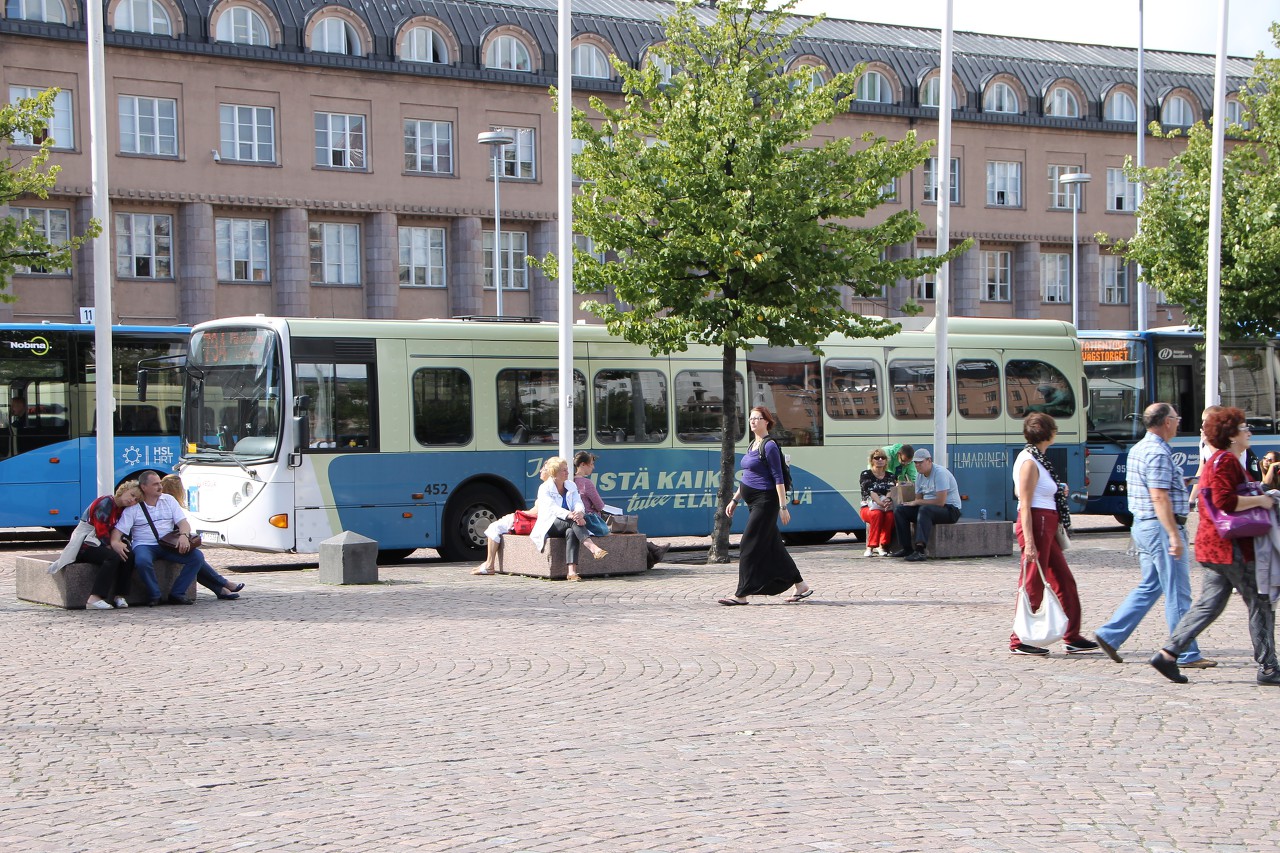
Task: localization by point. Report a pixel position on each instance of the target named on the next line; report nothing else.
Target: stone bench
(70, 588)
(628, 555)
(970, 538)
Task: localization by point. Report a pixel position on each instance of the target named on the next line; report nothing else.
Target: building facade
(320, 158)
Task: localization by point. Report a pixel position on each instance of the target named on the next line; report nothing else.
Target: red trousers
(1044, 523)
(879, 526)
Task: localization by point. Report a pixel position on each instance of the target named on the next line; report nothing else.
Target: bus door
(980, 446)
(1179, 380)
(38, 465)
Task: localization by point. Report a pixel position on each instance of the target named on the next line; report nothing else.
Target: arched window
(1062, 103)
(509, 54)
(48, 11)
(1001, 99)
(242, 25)
(1177, 112)
(590, 61)
(1120, 107)
(931, 94)
(1235, 113)
(423, 44)
(334, 35)
(872, 86)
(143, 16)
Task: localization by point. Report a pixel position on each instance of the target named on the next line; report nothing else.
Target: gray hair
(1156, 414)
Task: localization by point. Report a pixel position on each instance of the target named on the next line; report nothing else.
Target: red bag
(524, 523)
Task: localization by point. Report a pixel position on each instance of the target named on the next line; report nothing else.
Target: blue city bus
(48, 443)
(1127, 371)
(418, 434)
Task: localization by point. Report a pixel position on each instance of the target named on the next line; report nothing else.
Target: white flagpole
(1140, 160)
(104, 369)
(1212, 331)
(564, 244)
(942, 294)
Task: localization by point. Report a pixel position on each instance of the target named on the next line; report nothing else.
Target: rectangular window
(514, 269)
(428, 146)
(926, 286)
(1115, 280)
(248, 133)
(1034, 386)
(53, 224)
(442, 406)
(1055, 277)
(422, 261)
(931, 180)
(335, 253)
(148, 125)
(977, 388)
(789, 381)
(243, 250)
(59, 127)
(995, 276)
(144, 245)
(852, 389)
(340, 141)
(1122, 194)
(518, 158)
(699, 402)
(911, 384)
(630, 406)
(1004, 183)
(529, 406)
(1060, 195)
(889, 192)
(341, 413)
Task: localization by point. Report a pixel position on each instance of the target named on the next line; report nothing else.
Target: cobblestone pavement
(441, 711)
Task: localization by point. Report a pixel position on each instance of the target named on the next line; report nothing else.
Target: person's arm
(1223, 479)
(1028, 477)
(773, 455)
(1164, 512)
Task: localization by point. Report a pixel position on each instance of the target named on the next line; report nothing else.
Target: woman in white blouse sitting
(561, 514)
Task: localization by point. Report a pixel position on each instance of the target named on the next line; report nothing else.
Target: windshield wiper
(220, 454)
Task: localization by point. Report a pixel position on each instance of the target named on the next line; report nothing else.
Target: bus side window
(630, 406)
(442, 406)
(1034, 386)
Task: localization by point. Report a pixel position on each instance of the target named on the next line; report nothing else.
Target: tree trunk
(719, 552)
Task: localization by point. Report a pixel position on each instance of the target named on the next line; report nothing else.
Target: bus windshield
(1117, 391)
(233, 395)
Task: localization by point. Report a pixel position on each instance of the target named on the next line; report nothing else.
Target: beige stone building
(320, 159)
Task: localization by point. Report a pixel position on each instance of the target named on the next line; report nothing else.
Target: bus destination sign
(225, 347)
(1095, 350)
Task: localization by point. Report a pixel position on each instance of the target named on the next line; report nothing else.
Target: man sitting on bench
(937, 502)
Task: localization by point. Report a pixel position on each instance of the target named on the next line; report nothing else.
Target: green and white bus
(418, 434)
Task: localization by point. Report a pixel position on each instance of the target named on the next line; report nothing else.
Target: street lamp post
(1078, 179)
(497, 140)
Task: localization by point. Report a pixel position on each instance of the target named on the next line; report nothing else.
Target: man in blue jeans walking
(1159, 504)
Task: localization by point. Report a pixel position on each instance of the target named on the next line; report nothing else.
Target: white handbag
(1043, 626)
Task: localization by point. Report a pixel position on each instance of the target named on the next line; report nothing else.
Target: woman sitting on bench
(561, 514)
(89, 545)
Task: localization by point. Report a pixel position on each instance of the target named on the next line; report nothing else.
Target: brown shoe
(1203, 663)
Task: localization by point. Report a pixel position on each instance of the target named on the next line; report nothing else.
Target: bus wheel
(465, 519)
(394, 555)
(808, 537)
(1125, 519)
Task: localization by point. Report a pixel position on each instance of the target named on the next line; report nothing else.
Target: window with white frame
(47, 11)
(1061, 195)
(421, 256)
(144, 245)
(514, 268)
(889, 192)
(1115, 280)
(1062, 103)
(428, 146)
(143, 16)
(248, 133)
(242, 25)
(872, 86)
(335, 253)
(1161, 299)
(1235, 113)
(925, 287)
(819, 77)
(242, 249)
(334, 35)
(1000, 99)
(340, 141)
(1055, 277)
(51, 223)
(931, 94)
(148, 125)
(996, 281)
(931, 180)
(423, 44)
(1120, 107)
(1004, 183)
(1177, 112)
(587, 246)
(59, 127)
(662, 65)
(509, 54)
(1122, 193)
(518, 158)
(590, 61)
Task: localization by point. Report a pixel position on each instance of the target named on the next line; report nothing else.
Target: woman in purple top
(764, 566)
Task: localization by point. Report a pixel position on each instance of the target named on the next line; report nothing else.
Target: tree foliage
(1173, 242)
(21, 244)
(728, 220)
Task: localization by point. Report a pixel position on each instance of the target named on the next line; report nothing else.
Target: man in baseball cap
(937, 502)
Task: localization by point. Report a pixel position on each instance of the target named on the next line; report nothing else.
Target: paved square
(441, 711)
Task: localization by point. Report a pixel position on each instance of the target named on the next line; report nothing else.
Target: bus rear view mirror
(142, 385)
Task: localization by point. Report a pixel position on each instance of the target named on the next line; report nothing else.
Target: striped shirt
(1151, 466)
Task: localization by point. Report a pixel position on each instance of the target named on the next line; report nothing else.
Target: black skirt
(764, 566)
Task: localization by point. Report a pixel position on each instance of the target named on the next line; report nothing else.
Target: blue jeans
(144, 558)
(1161, 575)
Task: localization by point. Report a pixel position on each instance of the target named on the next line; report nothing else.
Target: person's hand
(121, 548)
(184, 543)
(1175, 547)
(728, 508)
(785, 515)
(578, 517)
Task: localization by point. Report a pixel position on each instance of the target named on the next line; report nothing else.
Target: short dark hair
(906, 450)
(1156, 414)
(1038, 427)
(1221, 426)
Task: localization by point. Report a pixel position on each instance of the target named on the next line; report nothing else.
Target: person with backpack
(764, 566)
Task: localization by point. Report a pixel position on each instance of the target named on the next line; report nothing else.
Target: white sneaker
(881, 552)
(121, 604)
(870, 552)
(98, 605)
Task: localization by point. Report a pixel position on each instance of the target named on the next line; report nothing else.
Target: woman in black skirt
(764, 566)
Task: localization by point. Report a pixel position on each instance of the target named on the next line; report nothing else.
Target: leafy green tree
(729, 221)
(1173, 242)
(20, 243)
